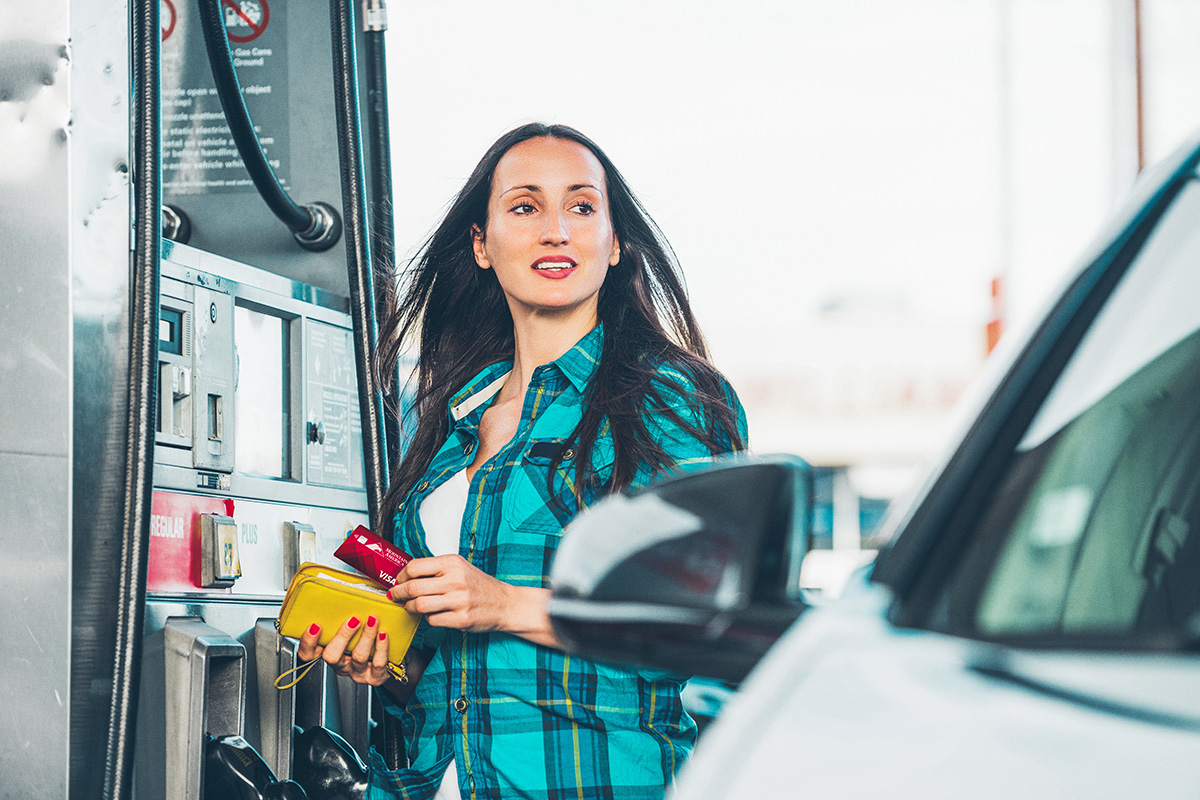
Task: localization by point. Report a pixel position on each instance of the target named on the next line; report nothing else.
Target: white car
(1033, 628)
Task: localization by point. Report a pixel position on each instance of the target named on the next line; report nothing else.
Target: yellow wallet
(329, 597)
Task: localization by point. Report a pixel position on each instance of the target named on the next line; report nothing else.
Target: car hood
(846, 705)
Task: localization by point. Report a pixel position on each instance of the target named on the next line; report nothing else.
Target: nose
(555, 229)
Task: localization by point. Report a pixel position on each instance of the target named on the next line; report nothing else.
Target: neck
(542, 338)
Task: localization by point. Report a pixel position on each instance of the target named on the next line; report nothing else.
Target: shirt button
(460, 705)
(467, 448)
(424, 485)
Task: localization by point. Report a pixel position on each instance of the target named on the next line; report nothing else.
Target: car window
(1092, 530)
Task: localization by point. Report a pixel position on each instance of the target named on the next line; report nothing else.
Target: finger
(449, 618)
(361, 655)
(335, 650)
(403, 592)
(427, 567)
(379, 662)
(309, 649)
(435, 604)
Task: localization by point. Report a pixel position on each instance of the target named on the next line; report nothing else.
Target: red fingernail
(382, 635)
(314, 629)
(371, 621)
(353, 623)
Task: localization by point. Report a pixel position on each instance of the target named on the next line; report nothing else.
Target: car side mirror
(698, 574)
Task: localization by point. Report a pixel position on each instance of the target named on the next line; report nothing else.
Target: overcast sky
(801, 156)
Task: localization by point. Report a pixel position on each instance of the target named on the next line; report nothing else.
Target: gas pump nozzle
(327, 767)
(233, 770)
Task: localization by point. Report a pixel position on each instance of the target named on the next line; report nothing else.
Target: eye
(584, 208)
(522, 208)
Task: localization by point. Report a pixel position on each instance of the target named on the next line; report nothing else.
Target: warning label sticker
(336, 460)
(247, 20)
(199, 154)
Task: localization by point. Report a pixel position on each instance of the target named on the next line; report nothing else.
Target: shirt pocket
(536, 501)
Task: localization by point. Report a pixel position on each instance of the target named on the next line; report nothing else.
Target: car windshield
(1092, 531)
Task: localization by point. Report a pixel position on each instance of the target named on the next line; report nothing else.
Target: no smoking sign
(246, 20)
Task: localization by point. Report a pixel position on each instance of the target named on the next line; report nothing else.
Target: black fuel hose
(141, 415)
(358, 251)
(315, 226)
(380, 139)
(382, 218)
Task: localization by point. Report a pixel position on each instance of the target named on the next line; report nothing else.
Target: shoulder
(690, 393)
(691, 382)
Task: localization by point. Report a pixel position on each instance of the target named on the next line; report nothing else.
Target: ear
(616, 252)
(477, 244)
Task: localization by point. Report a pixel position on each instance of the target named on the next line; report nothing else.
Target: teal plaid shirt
(520, 719)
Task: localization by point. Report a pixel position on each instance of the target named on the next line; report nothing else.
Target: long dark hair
(458, 314)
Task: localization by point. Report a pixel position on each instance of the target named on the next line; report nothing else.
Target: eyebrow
(535, 188)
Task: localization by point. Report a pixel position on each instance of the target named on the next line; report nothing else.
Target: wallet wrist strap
(300, 669)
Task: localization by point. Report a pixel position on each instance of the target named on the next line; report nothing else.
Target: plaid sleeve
(679, 437)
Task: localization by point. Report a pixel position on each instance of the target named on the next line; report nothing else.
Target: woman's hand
(366, 663)
(454, 594)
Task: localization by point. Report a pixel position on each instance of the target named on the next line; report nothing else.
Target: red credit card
(373, 556)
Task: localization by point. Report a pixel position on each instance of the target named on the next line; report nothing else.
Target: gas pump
(192, 416)
(258, 469)
(259, 454)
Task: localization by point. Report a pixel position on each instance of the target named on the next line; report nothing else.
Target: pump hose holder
(325, 231)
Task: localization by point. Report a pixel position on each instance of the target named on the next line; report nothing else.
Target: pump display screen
(262, 401)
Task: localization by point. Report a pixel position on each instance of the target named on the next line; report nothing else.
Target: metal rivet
(424, 485)
(460, 705)
(569, 454)
(467, 448)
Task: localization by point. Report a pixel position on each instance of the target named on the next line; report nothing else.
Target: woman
(558, 362)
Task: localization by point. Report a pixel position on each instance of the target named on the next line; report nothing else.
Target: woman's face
(549, 236)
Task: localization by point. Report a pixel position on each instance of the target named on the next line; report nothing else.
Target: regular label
(198, 152)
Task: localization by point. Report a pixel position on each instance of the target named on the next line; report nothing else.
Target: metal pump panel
(255, 348)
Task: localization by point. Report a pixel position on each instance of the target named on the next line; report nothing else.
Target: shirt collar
(580, 362)
(478, 390)
(578, 365)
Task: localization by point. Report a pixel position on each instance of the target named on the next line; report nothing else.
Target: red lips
(556, 267)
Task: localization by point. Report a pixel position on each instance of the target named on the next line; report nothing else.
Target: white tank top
(442, 512)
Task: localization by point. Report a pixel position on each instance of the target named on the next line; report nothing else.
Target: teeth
(556, 266)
